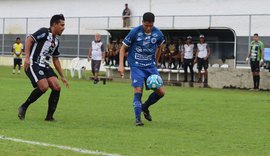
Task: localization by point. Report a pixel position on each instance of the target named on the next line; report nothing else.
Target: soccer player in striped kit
(40, 47)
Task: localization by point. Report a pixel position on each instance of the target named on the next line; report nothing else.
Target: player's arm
(158, 54)
(121, 68)
(89, 54)
(262, 55)
(249, 54)
(28, 43)
(208, 52)
(103, 53)
(57, 66)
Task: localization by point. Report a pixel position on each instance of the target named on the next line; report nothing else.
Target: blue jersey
(142, 47)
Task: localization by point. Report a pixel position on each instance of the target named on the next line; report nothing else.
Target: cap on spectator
(189, 37)
(201, 36)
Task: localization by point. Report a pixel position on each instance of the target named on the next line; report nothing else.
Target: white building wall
(101, 8)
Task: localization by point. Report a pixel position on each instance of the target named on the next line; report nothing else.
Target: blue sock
(153, 98)
(137, 104)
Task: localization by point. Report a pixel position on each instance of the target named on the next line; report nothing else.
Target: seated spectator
(172, 54)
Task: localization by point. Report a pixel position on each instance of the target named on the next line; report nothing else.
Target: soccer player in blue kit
(143, 43)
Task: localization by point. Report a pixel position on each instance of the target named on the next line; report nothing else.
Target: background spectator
(17, 53)
(126, 16)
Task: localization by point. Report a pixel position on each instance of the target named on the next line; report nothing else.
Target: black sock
(254, 82)
(52, 103)
(36, 93)
(153, 98)
(258, 82)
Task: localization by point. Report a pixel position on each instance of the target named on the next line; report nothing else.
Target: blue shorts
(140, 75)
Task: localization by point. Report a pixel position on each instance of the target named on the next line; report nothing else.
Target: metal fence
(80, 30)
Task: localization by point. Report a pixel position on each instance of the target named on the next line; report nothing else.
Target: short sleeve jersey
(256, 50)
(97, 49)
(45, 47)
(202, 50)
(18, 50)
(188, 51)
(142, 47)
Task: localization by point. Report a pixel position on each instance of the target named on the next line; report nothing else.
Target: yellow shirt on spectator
(17, 50)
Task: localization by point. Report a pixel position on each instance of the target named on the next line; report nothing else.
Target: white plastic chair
(224, 66)
(81, 66)
(74, 62)
(215, 65)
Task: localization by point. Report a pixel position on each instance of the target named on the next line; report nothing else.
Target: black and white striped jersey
(45, 47)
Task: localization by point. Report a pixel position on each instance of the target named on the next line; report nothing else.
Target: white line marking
(79, 150)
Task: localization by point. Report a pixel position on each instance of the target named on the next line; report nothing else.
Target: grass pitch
(187, 121)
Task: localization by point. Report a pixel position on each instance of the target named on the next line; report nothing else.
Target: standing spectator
(144, 44)
(126, 16)
(97, 55)
(256, 56)
(40, 47)
(202, 55)
(188, 55)
(17, 53)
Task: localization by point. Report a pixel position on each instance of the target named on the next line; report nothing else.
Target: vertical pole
(210, 21)
(3, 37)
(173, 21)
(108, 22)
(249, 31)
(78, 45)
(26, 29)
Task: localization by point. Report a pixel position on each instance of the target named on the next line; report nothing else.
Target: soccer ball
(154, 81)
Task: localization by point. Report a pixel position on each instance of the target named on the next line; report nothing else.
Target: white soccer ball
(154, 81)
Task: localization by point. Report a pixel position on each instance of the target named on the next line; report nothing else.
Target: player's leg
(257, 75)
(54, 97)
(205, 66)
(137, 79)
(153, 97)
(199, 67)
(185, 70)
(40, 88)
(14, 65)
(19, 66)
(191, 70)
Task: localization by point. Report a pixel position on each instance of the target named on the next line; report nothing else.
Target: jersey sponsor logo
(139, 39)
(153, 40)
(155, 35)
(143, 57)
(40, 72)
(41, 36)
(135, 81)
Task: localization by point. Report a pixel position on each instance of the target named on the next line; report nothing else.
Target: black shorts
(202, 63)
(188, 62)
(95, 64)
(36, 73)
(17, 61)
(255, 66)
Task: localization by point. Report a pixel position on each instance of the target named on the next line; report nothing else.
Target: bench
(102, 78)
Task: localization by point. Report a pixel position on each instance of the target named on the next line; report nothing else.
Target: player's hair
(56, 19)
(256, 34)
(18, 38)
(148, 17)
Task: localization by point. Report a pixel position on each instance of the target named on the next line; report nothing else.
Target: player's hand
(121, 70)
(261, 62)
(26, 63)
(65, 82)
(247, 60)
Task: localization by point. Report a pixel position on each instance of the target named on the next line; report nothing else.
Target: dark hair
(256, 34)
(148, 17)
(18, 38)
(56, 19)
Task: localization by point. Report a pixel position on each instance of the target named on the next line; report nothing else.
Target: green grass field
(187, 121)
